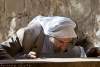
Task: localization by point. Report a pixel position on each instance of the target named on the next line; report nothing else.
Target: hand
(31, 55)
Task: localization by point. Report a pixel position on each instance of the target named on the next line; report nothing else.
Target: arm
(28, 37)
(22, 46)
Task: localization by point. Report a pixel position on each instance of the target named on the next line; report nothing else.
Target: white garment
(56, 26)
(82, 52)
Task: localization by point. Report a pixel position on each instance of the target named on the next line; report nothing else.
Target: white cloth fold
(57, 26)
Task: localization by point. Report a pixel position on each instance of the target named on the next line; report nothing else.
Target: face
(62, 43)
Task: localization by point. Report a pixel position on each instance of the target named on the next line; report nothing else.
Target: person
(43, 37)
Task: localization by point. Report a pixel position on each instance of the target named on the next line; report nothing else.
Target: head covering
(57, 26)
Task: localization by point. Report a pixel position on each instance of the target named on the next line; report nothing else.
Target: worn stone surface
(83, 12)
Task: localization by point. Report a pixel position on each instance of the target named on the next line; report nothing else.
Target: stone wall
(83, 12)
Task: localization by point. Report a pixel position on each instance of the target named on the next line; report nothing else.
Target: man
(49, 37)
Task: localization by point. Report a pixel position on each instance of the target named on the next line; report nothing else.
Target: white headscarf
(57, 26)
